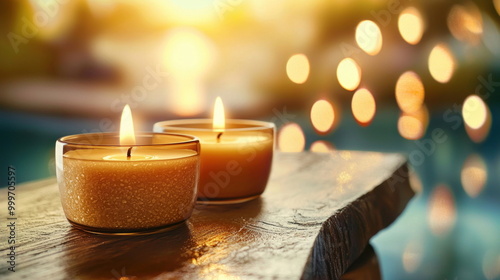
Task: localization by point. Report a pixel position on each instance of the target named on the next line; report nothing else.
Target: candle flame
(219, 122)
(127, 135)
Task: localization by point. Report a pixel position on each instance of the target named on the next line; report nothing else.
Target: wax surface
(234, 169)
(117, 193)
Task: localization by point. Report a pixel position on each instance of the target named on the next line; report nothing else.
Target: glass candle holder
(144, 188)
(235, 161)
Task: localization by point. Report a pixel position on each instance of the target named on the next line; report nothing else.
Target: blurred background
(407, 76)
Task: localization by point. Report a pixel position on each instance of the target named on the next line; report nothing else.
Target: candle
(127, 183)
(236, 155)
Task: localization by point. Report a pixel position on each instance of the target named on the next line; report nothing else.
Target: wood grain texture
(315, 218)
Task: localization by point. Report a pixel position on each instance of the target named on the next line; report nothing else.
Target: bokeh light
(321, 146)
(474, 111)
(411, 25)
(474, 175)
(349, 74)
(412, 126)
(442, 211)
(291, 138)
(363, 106)
(297, 68)
(412, 256)
(415, 181)
(322, 116)
(369, 37)
(465, 23)
(441, 63)
(409, 92)
(496, 3)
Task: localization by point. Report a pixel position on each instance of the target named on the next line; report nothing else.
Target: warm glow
(442, 211)
(322, 116)
(474, 175)
(321, 146)
(363, 106)
(291, 138)
(441, 63)
(412, 255)
(496, 3)
(411, 25)
(297, 68)
(349, 74)
(188, 55)
(413, 126)
(409, 92)
(219, 122)
(415, 181)
(369, 37)
(466, 23)
(474, 112)
(127, 135)
(51, 19)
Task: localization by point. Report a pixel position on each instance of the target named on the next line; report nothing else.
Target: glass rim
(177, 124)
(190, 139)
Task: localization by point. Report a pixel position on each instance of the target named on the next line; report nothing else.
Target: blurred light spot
(413, 126)
(369, 37)
(496, 3)
(349, 74)
(322, 116)
(491, 264)
(441, 212)
(441, 63)
(474, 175)
(412, 256)
(51, 19)
(291, 138)
(297, 68)
(409, 92)
(363, 106)
(415, 181)
(188, 55)
(411, 25)
(465, 23)
(321, 146)
(474, 111)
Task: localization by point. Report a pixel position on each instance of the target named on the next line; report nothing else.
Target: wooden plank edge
(344, 236)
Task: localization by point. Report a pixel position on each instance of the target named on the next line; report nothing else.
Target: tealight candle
(127, 184)
(236, 155)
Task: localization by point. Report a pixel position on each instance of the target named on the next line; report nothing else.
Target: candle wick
(218, 137)
(129, 153)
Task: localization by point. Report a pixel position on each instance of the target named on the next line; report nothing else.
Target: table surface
(314, 219)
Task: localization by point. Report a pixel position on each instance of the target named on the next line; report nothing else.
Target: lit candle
(127, 183)
(236, 155)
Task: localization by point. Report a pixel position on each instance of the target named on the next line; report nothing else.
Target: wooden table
(315, 218)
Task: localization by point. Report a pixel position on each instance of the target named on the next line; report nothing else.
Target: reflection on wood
(313, 221)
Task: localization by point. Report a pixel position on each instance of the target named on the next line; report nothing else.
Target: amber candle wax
(235, 161)
(110, 188)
